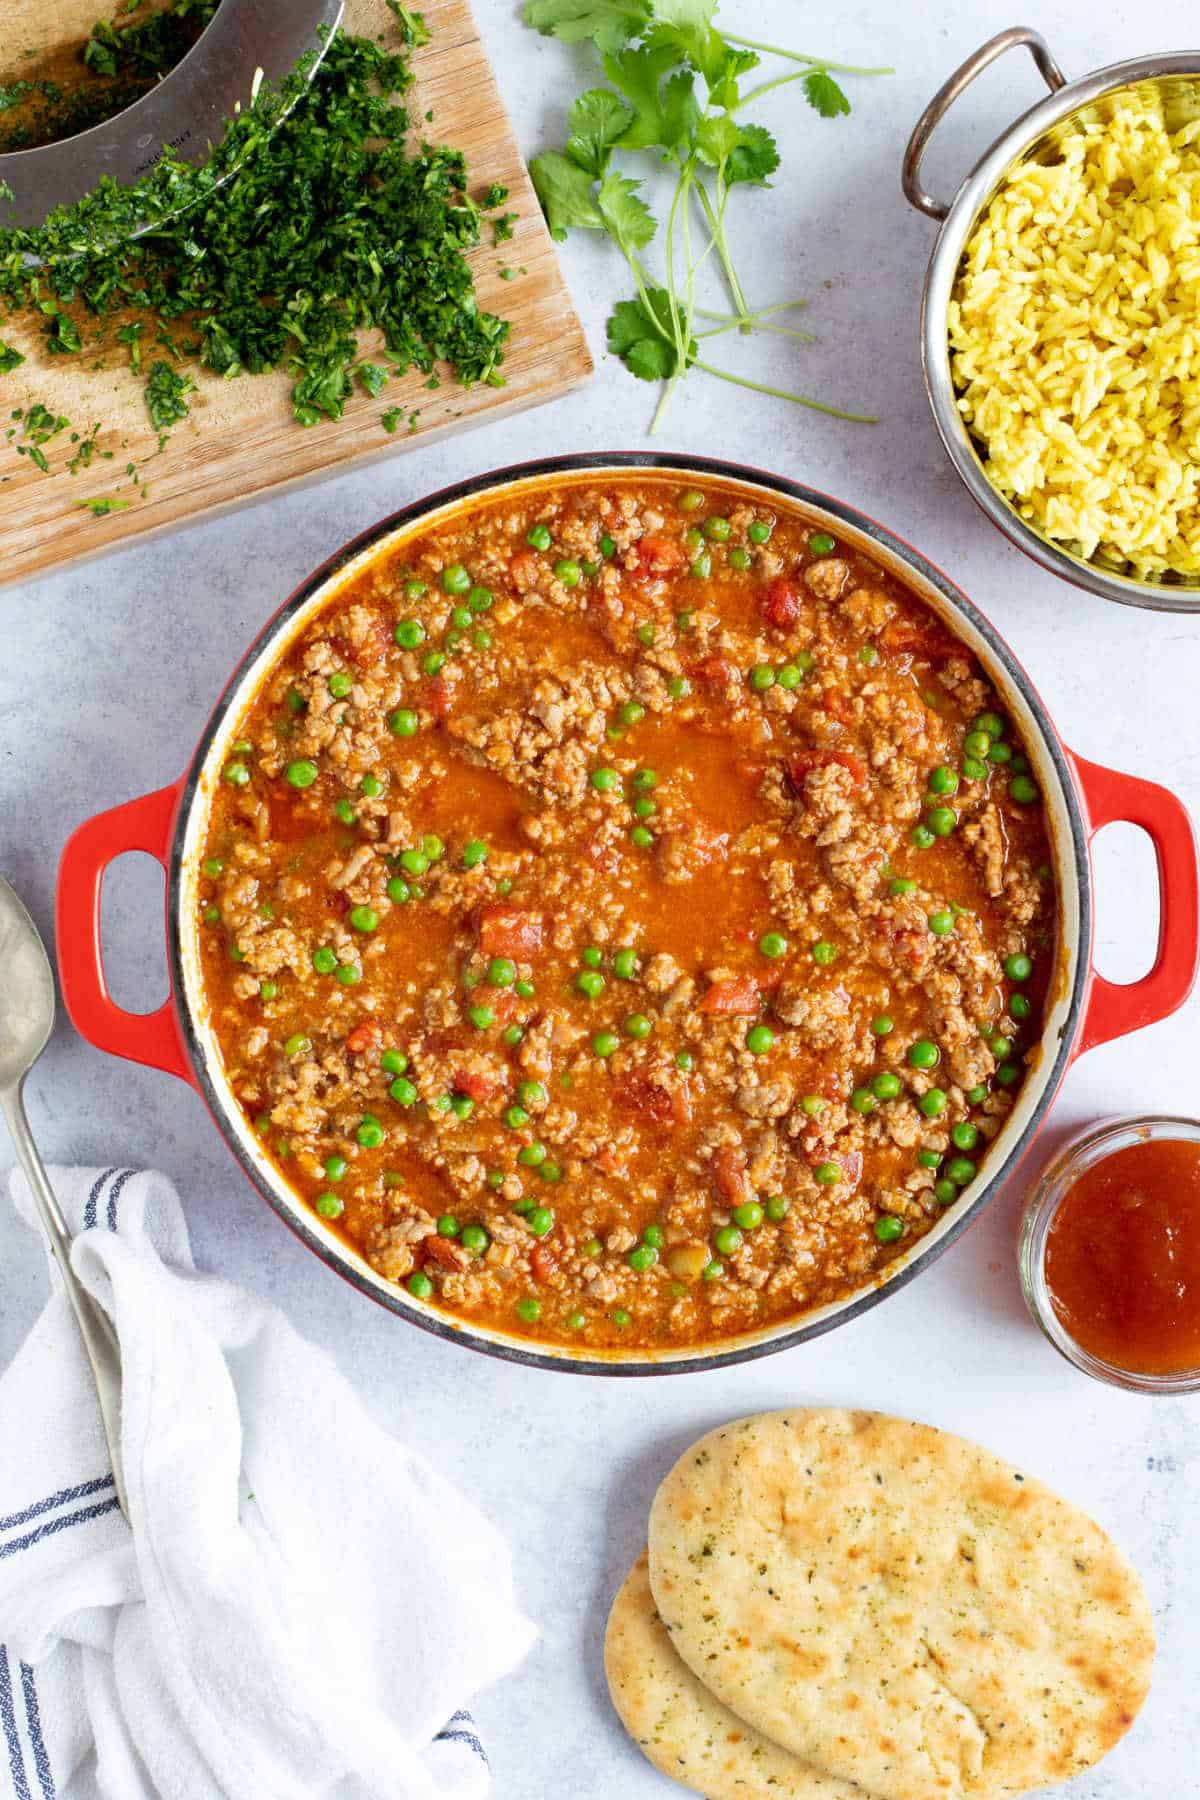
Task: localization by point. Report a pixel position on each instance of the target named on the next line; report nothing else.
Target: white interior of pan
(239, 1129)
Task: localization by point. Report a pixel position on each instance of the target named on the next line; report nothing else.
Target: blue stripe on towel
(8, 1720)
(118, 1189)
(37, 1742)
(93, 1199)
(60, 1524)
(461, 1730)
(60, 1499)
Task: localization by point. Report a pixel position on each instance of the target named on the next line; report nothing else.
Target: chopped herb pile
(675, 91)
(330, 223)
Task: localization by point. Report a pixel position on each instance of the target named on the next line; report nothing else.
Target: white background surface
(107, 675)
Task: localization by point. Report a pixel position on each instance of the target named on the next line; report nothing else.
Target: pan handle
(948, 93)
(1114, 1008)
(150, 1038)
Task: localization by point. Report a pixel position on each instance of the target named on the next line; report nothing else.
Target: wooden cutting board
(241, 441)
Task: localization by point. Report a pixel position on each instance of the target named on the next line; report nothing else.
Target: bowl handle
(1115, 1008)
(947, 94)
(151, 1038)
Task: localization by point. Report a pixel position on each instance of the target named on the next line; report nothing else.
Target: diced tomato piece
(362, 1037)
(609, 1161)
(919, 637)
(717, 671)
(782, 601)
(338, 901)
(438, 697)
(839, 706)
(851, 1165)
(659, 555)
(523, 570)
(737, 995)
(652, 1103)
(443, 1251)
(729, 1174)
(477, 1084)
(802, 762)
(372, 648)
(510, 931)
(543, 1264)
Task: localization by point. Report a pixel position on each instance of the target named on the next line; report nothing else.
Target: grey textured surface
(106, 678)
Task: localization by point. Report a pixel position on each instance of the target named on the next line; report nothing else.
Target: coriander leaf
(597, 119)
(638, 74)
(9, 358)
(824, 95)
(412, 24)
(373, 378)
(687, 24)
(103, 503)
(626, 218)
(165, 392)
(391, 418)
(723, 67)
(634, 336)
(754, 156)
(609, 23)
(716, 139)
(565, 191)
(680, 111)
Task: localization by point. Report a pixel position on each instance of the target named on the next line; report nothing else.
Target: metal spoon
(26, 1019)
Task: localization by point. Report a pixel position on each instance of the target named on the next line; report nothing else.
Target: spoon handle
(99, 1338)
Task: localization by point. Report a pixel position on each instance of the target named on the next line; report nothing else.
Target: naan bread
(898, 1607)
(677, 1724)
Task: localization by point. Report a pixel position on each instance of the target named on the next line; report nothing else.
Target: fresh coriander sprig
(674, 88)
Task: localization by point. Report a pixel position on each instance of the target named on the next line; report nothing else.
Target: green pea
(888, 1228)
(712, 1271)
(941, 923)
(644, 807)
(901, 885)
(419, 1286)
(403, 1092)
(590, 982)
(637, 1025)
(335, 1167)
(823, 952)
(702, 567)
(415, 589)
(371, 786)
(455, 579)
(349, 974)
(922, 837)
(717, 529)
(773, 945)
(1008, 1075)
(977, 1095)
(641, 836)
(762, 677)
(605, 1043)
(604, 780)
(370, 1132)
(540, 1220)
(977, 743)
(576, 1321)
(512, 1034)
(684, 1060)
(267, 990)
(886, 1085)
(302, 774)
(324, 960)
(481, 1017)
(646, 634)
(1022, 790)
(973, 769)
(945, 1191)
(462, 1105)
(727, 1240)
(515, 1117)
(827, 1173)
(481, 599)
(538, 537)
(690, 501)
(568, 572)
(608, 547)
(212, 865)
(474, 1238)
(403, 723)
(883, 1025)
(632, 713)
(297, 1045)
(236, 774)
(1000, 753)
(433, 662)
(474, 852)
(960, 1170)
(812, 1106)
(759, 531)
(679, 687)
(393, 1062)
(929, 1159)
(778, 1207)
(398, 890)
(364, 918)
(625, 965)
(941, 820)
(943, 780)
(525, 989)
(862, 1100)
(409, 633)
(933, 1103)
(448, 1226)
(344, 810)
(530, 1155)
(295, 701)
(789, 677)
(643, 1257)
(460, 618)
(821, 543)
(501, 972)
(749, 1215)
(530, 1310)
(1000, 1047)
(414, 862)
(482, 640)
(759, 1039)
(965, 1135)
(1020, 1006)
(990, 722)
(739, 559)
(621, 1318)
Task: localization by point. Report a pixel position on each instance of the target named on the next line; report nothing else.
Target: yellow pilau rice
(1075, 340)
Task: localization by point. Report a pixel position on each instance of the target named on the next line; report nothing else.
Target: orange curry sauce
(1123, 1258)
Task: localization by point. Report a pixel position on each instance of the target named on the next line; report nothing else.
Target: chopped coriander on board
(675, 91)
(334, 221)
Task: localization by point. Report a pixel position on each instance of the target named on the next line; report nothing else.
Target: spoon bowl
(27, 1008)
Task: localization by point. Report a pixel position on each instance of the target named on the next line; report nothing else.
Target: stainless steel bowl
(1176, 77)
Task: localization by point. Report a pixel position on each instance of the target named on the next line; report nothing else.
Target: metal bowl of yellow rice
(1060, 326)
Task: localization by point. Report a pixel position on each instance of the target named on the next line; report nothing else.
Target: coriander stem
(768, 87)
(759, 387)
(716, 226)
(802, 337)
(762, 312)
(817, 62)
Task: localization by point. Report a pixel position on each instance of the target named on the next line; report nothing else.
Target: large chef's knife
(246, 43)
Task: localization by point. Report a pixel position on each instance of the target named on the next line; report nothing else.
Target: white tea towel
(302, 1606)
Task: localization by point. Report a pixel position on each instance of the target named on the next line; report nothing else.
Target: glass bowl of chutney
(1109, 1253)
